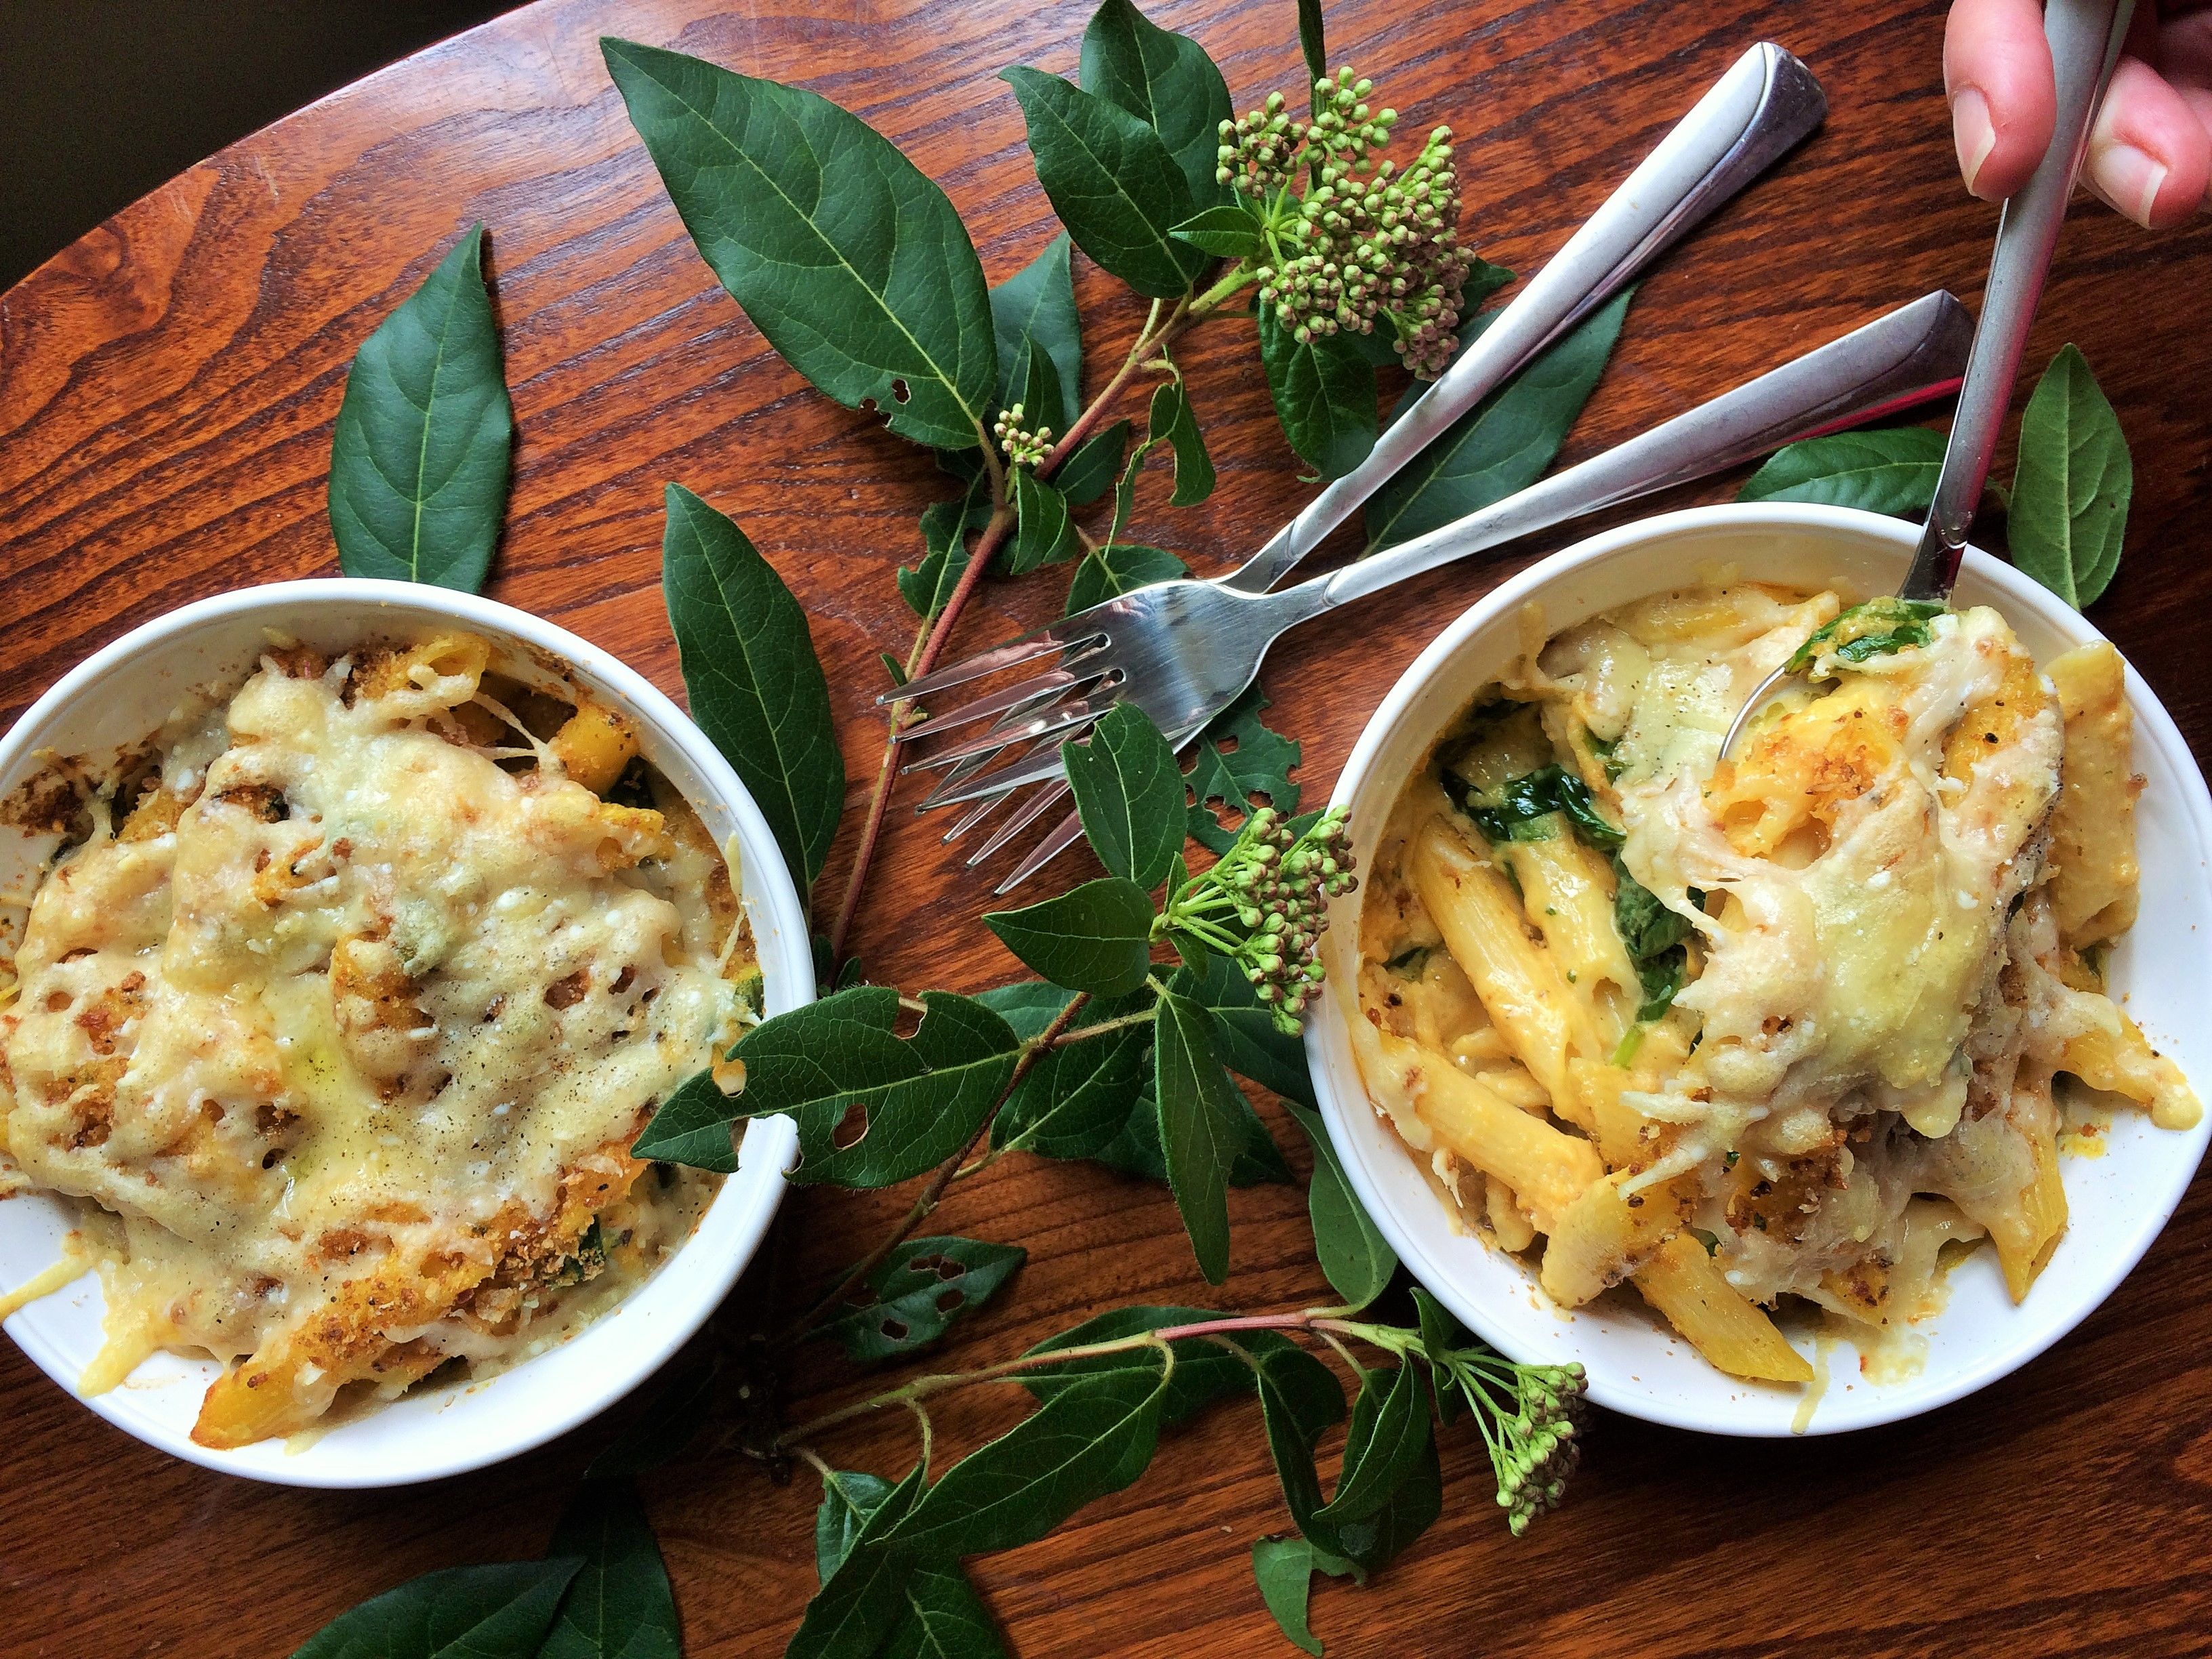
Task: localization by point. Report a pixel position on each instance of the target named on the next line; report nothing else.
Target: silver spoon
(2085, 38)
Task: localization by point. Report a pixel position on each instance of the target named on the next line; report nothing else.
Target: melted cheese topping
(352, 1027)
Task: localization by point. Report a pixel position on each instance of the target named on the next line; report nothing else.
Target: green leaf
(1238, 758)
(945, 527)
(755, 685)
(1324, 394)
(1111, 180)
(1202, 1128)
(499, 1612)
(1130, 793)
(1646, 926)
(1440, 1335)
(1505, 442)
(850, 261)
(863, 1594)
(1108, 572)
(1314, 49)
(1125, 491)
(1042, 533)
(619, 1605)
(1136, 1150)
(669, 1421)
(1875, 627)
(1522, 809)
(1036, 387)
(1384, 1448)
(1093, 1436)
(918, 1292)
(1889, 469)
(1285, 1567)
(1245, 1034)
(2073, 484)
(1077, 1098)
(1086, 475)
(848, 1498)
(1170, 421)
(1166, 80)
(1357, 1259)
(1206, 1371)
(419, 461)
(914, 1100)
(1660, 978)
(692, 1127)
(1412, 1508)
(1299, 1398)
(1231, 231)
(1037, 305)
(1095, 938)
(945, 1620)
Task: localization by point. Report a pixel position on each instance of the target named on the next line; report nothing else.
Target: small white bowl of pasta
(1455, 1063)
(660, 893)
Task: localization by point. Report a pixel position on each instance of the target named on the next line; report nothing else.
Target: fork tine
(1032, 810)
(1062, 718)
(1040, 688)
(1058, 840)
(1036, 767)
(1039, 642)
(974, 816)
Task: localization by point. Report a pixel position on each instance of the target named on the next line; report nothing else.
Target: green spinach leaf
(1876, 627)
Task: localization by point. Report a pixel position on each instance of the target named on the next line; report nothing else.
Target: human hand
(2150, 151)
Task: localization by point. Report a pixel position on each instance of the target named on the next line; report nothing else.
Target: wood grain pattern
(166, 391)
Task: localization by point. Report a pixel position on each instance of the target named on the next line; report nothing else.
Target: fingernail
(1975, 135)
(2129, 178)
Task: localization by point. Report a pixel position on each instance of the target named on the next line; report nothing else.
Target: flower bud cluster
(1023, 447)
(1281, 886)
(1539, 1449)
(1362, 240)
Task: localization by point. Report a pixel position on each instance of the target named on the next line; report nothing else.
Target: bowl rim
(749, 1199)
(1329, 1050)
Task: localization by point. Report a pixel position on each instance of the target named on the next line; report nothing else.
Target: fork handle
(1915, 353)
(1754, 113)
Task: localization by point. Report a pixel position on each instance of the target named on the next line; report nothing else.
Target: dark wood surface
(166, 391)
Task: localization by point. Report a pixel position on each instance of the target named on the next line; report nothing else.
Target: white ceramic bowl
(2118, 1202)
(114, 701)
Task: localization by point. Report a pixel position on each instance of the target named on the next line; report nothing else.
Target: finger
(1996, 73)
(2149, 154)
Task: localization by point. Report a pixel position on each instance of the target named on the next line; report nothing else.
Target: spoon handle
(2085, 38)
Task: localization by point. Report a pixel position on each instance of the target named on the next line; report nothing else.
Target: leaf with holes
(1036, 305)
(461, 1613)
(2071, 489)
(619, 1605)
(1284, 1568)
(1043, 532)
(1077, 1096)
(915, 1294)
(1505, 442)
(1109, 572)
(1889, 469)
(1086, 475)
(755, 685)
(917, 1100)
(1096, 937)
(945, 529)
(1239, 758)
(1202, 1128)
(1171, 421)
(1111, 180)
(1358, 1262)
(850, 260)
(1166, 80)
(1324, 393)
(1130, 793)
(419, 457)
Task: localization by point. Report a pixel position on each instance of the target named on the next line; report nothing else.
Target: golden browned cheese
(353, 1026)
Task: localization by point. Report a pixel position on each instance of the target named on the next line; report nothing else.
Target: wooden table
(167, 391)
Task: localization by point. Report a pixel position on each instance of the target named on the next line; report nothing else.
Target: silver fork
(1755, 112)
(1182, 651)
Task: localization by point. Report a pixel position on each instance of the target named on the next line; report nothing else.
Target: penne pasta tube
(1546, 1167)
(1683, 1283)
